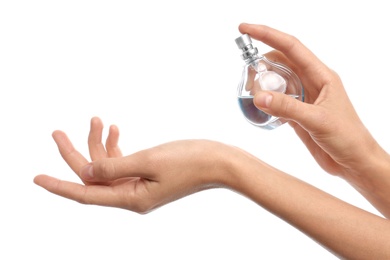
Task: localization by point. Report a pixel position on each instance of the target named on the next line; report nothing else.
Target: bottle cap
(244, 43)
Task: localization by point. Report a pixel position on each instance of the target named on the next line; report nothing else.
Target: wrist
(372, 179)
(242, 170)
(372, 168)
(219, 165)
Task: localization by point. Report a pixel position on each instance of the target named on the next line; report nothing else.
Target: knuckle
(336, 77)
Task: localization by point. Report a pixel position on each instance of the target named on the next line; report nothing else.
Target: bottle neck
(252, 59)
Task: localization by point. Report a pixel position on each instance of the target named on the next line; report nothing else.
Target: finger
(279, 57)
(94, 194)
(112, 147)
(140, 164)
(282, 105)
(72, 157)
(287, 44)
(96, 148)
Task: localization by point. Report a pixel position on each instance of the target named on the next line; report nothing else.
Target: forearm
(345, 230)
(372, 178)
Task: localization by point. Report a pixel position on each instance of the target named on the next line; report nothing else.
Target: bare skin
(328, 125)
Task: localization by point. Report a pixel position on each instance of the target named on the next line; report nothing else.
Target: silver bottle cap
(244, 42)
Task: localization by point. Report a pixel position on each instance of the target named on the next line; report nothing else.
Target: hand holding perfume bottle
(262, 74)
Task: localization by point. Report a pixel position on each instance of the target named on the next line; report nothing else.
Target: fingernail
(87, 172)
(263, 99)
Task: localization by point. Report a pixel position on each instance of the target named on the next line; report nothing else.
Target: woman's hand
(139, 182)
(153, 177)
(326, 122)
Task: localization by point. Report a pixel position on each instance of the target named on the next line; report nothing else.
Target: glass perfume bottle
(262, 74)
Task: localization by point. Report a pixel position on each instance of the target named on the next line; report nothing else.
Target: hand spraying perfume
(262, 74)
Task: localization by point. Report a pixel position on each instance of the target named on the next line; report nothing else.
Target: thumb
(110, 169)
(282, 105)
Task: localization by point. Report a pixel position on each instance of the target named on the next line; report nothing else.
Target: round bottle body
(261, 74)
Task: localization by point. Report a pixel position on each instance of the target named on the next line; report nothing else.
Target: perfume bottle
(259, 73)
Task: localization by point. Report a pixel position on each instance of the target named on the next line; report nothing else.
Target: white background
(161, 71)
